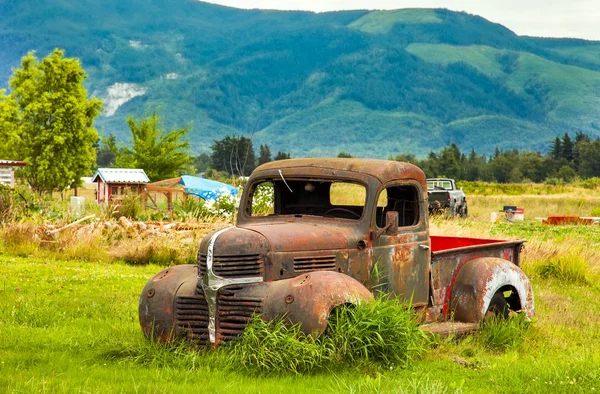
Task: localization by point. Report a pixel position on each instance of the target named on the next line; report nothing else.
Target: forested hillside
(371, 83)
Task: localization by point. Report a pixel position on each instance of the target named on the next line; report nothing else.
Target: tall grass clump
(275, 347)
(380, 334)
(499, 334)
(384, 331)
(569, 268)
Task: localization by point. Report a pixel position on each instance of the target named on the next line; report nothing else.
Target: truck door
(401, 259)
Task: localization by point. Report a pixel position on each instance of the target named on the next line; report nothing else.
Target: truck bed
(444, 244)
(448, 254)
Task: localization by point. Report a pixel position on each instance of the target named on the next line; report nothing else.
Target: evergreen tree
(105, 157)
(567, 148)
(233, 155)
(264, 155)
(449, 161)
(580, 138)
(282, 156)
(556, 151)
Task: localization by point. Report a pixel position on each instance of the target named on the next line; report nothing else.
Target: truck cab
(314, 234)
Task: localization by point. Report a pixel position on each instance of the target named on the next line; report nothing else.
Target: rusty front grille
(233, 313)
(306, 264)
(238, 266)
(191, 317)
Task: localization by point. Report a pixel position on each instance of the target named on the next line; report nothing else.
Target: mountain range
(370, 83)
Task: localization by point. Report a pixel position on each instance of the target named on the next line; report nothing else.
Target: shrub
(129, 206)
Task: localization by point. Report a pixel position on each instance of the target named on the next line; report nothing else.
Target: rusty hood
(292, 237)
(279, 237)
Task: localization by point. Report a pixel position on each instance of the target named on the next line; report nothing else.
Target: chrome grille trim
(235, 266)
(211, 282)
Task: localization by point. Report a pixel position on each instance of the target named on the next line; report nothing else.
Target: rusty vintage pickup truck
(336, 231)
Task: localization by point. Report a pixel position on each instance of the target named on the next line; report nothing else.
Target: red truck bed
(443, 243)
(449, 254)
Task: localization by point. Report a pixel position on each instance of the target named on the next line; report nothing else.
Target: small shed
(7, 171)
(113, 183)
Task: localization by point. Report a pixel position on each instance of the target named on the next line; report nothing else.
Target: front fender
(309, 298)
(478, 280)
(156, 312)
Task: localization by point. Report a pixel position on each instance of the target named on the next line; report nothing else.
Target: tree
(234, 155)
(202, 163)
(105, 157)
(556, 151)
(406, 157)
(264, 155)
(567, 148)
(282, 156)
(161, 154)
(566, 173)
(450, 158)
(53, 124)
(345, 155)
(9, 116)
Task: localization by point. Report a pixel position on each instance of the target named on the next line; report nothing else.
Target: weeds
(499, 334)
(380, 334)
(569, 268)
(384, 331)
(274, 347)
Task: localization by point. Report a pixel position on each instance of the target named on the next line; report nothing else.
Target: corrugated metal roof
(121, 175)
(12, 163)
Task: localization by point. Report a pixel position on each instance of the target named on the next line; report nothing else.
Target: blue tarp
(205, 188)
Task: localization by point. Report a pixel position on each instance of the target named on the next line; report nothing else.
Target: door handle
(424, 247)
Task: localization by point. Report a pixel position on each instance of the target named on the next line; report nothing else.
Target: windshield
(307, 197)
(431, 185)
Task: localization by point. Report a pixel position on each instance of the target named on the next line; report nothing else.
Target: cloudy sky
(544, 18)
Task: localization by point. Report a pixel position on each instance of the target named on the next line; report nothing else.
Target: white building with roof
(7, 171)
(113, 183)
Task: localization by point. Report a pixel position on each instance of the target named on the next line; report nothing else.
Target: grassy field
(71, 326)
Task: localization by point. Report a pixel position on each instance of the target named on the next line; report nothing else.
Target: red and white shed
(7, 171)
(114, 182)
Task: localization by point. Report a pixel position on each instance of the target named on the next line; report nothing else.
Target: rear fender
(478, 280)
(309, 298)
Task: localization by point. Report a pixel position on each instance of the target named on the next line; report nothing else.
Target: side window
(403, 199)
(263, 198)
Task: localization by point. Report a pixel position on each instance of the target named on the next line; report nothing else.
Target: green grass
(381, 22)
(482, 57)
(70, 326)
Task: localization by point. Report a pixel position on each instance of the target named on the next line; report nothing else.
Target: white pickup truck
(443, 196)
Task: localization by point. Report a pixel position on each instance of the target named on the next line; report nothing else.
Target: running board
(446, 329)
